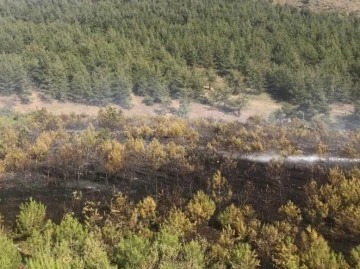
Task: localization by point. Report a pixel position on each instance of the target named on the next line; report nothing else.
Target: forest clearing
(258, 105)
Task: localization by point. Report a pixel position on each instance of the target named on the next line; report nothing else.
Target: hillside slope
(96, 52)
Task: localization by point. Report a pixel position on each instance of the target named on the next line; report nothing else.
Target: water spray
(298, 159)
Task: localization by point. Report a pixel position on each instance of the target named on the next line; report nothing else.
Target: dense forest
(113, 191)
(181, 195)
(101, 51)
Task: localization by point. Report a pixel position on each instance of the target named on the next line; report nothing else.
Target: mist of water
(294, 159)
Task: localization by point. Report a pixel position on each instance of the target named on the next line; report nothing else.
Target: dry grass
(341, 110)
(262, 105)
(341, 6)
(53, 106)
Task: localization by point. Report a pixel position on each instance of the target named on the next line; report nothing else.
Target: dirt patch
(54, 106)
(339, 111)
(261, 105)
(343, 6)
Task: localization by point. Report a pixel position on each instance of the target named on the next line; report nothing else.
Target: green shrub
(291, 213)
(57, 246)
(109, 117)
(243, 257)
(9, 256)
(233, 217)
(178, 222)
(148, 101)
(48, 262)
(168, 245)
(31, 218)
(194, 255)
(72, 232)
(201, 207)
(355, 257)
(95, 255)
(133, 252)
(316, 253)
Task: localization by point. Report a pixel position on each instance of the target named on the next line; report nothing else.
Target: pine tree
(10, 257)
